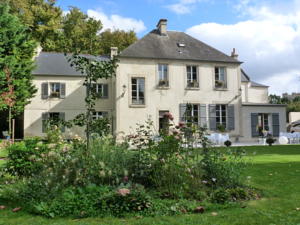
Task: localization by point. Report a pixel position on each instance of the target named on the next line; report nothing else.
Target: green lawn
(275, 170)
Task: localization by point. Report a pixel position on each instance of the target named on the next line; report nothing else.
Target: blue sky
(150, 11)
(266, 33)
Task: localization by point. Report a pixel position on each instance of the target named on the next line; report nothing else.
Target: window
(54, 90)
(220, 77)
(191, 114)
(163, 79)
(192, 77)
(163, 121)
(138, 91)
(101, 90)
(263, 123)
(98, 115)
(52, 118)
(221, 117)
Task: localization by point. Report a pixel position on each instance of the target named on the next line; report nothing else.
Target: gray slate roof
(246, 78)
(50, 63)
(156, 46)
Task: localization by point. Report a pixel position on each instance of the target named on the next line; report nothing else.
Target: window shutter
(275, 124)
(45, 90)
(254, 123)
(62, 90)
(230, 117)
(105, 91)
(45, 117)
(202, 116)
(182, 110)
(212, 117)
(62, 118)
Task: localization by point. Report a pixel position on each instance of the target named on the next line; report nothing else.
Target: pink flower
(181, 124)
(125, 179)
(123, 191)
(169, 116)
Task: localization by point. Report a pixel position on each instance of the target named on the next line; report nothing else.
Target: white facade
(220, 94)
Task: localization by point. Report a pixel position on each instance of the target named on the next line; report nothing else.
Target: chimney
(233, 54)
(162, 27)
(113, 52)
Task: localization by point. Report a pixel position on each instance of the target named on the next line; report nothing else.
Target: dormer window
(163, 77)
(220, 78)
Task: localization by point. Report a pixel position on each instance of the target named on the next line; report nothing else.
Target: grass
(275, 170)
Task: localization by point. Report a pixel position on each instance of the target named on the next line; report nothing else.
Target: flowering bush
(146, 175)
(24, 158)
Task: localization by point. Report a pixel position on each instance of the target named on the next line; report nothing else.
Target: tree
(16, 63)
(64, 33)
(118, 38)
(81, 32)
(275, 99)
(43, 18)
(93, 69)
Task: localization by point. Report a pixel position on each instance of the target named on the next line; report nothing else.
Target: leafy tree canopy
(16, 62)
(71, 32)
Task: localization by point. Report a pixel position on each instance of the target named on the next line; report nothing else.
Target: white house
(165, 71)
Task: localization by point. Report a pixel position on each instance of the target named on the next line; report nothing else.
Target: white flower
(214, 179)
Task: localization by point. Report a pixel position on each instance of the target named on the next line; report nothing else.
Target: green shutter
(45, 117)
(275, 124)
(202, 116)
(105, 91)
(62, 119)
(182, 110)
(45, 90)
(62, 93)
(212, 117)
(230, 117)
(254, 124)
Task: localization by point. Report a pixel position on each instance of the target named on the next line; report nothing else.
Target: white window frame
(51, 90)
(99, 114)
(223, 120)
(139, 100)
(100, 89)
(163, 75)
(219, 78)
(190, 76)
(264, 121)
(194, 114)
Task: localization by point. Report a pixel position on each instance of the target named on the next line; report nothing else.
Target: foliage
(116, 38)
(122, 201)
(24, 157)
(16, 62)
(222, 168)
(81, 32)
(270, 140)
(74, 201)
(100, 126)
(73, 31)
(43, 19)
(221, 128)
(227, 143)
(282, 161)
(155, 176)
(93, 69)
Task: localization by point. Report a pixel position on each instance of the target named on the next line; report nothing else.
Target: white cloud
(290, 83)
(179, 8)
(268, 43)
(117, 22)
(184, 6)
